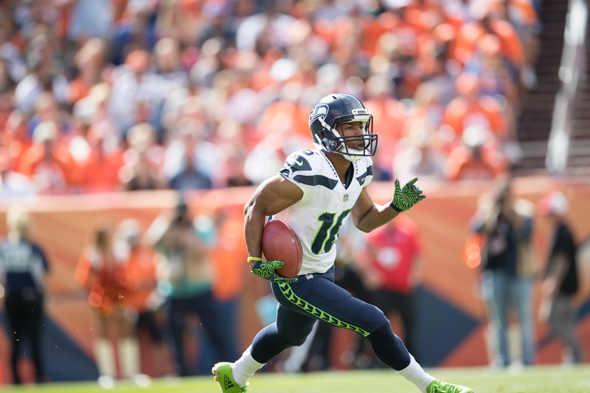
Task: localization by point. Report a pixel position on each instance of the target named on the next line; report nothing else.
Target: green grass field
(537, 380)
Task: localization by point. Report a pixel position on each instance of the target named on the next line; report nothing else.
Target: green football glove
(405, 198)
(266, 270)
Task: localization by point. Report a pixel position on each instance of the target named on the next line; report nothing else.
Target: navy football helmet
(339, 108)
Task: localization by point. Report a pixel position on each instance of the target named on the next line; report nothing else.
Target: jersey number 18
(326, 236)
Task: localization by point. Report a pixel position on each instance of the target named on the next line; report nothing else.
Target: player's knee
(373, 316)
(295, 340)
(294, 337)
(379, 314)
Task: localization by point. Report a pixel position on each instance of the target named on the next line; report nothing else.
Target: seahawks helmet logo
(317, 112)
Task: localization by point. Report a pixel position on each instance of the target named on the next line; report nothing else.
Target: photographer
(186, 276)
(561, 281)
(508, 269)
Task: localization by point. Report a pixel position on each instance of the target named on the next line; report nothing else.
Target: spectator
(494, 71)
(48, 162)
(208, 64)
(489, 20)
(227, 254)
(266, 157)
(428, 109)
(190, 178)
(142, 160)
(388, 115)
(476, 159)
(234, 169)
(95, 140)
(393, 272)
(89, 18)
(13, 184)
(187, 279)
(442, 76)
(135, 30)
(100, 170)
(15, 137)
(190, 160)
(273, 25)
(47, 110)
(524, 17)
(135, 97)
(43, 76)
(89, 63)
(168, 66)
(23, 268)
(417, 156)
(508, 269)
(561, 281)
(9, 52)
(226, 251)
(142, 299)
(216, 25)
(101, 271)
(472, 109)
(6, 93)
(496, 76)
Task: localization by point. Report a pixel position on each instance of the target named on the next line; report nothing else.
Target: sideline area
(482, 380)
(63, 224)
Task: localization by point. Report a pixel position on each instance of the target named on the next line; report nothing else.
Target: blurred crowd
(112, 95)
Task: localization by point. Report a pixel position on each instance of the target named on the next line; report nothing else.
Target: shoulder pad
(309, 167)
(302, 161)
(365, 168)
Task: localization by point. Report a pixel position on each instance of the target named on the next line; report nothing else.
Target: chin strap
(353, 158)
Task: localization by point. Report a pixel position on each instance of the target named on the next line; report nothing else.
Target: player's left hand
(406, 197)
(266, 270)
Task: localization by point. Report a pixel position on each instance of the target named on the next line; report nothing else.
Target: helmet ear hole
(319, 138)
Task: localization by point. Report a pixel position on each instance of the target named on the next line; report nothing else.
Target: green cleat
(439, 386)
(223, 375)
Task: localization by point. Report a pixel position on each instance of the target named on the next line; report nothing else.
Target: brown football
(280, 243)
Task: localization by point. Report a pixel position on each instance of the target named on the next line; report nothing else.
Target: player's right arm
(272, 196)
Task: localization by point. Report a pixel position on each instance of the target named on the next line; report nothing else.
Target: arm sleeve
(83, 272)
(476, 224)
(527, 229)
(560, 243)
(42, 257)
(416, 243)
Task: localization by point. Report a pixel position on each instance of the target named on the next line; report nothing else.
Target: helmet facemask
(336, 143)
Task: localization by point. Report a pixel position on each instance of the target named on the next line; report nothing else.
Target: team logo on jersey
(318, 111)
(345, 198)
(297, 162)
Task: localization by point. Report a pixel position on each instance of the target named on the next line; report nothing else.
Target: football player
(315, 192)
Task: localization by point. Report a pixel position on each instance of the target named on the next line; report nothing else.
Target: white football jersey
(325, 206)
